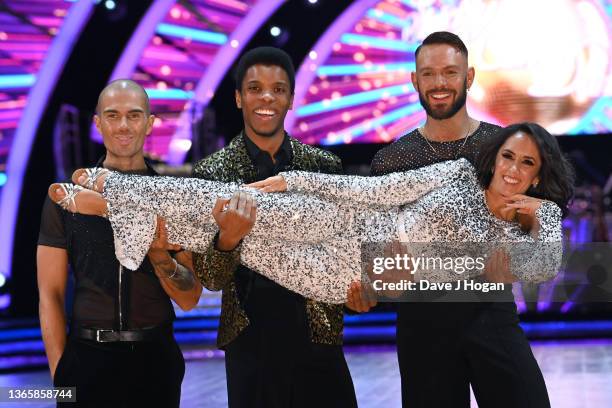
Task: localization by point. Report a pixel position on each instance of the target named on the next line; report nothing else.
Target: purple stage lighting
(36, 45)
(180, 53)
(556, 71)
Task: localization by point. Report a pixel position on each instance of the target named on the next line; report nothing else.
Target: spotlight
(275, 31)
(115, 10)
(312, 1)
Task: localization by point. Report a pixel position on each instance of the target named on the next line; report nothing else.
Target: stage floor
(577, 373)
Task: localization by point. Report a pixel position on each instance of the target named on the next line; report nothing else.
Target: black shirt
(413, 151)
(263, 162)
(91, 254)
(257, 292)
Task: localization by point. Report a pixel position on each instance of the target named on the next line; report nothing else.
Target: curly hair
(265, 56)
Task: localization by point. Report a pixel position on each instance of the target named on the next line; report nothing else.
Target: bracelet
(175, 270)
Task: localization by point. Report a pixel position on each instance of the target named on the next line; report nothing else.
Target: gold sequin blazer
(215, 269)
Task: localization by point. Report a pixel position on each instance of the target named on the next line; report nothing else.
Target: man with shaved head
(126, 85)
(120, 350)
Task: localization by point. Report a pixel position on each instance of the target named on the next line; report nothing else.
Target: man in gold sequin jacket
(281, 350)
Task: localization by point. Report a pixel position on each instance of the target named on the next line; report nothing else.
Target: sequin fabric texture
(217, 269)
(309, 240)
(441, 203)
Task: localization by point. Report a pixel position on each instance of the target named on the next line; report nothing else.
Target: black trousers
(273, 363)
(134, 374)
(461, 344)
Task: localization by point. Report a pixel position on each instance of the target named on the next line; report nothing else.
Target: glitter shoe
(70, 191)
(93, 178)
(90, 202)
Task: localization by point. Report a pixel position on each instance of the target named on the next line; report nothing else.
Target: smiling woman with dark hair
(309, 240)
(555, 175)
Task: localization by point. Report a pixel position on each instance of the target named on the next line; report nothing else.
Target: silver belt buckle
(98, 335)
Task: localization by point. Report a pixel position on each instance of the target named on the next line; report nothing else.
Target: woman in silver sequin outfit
(309, 240)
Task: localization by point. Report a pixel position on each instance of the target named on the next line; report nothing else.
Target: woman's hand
(526, 207)
(272, 184)
(524, 204)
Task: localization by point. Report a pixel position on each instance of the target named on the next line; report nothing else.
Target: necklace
(421, 131)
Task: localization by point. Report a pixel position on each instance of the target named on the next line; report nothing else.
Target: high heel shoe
(92, 176)
(70, 191)
(91, 202)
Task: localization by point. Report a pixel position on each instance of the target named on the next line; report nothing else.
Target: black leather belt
(107, 335)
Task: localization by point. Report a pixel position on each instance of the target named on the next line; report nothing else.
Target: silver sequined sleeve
(391, 190)
(538, 260)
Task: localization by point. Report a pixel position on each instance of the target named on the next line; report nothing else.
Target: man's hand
(274, 184)
(360, 298)
(396, 273)
(158, 252)
(235, 218)
(497, 268)
(160, 243)
(175, 275)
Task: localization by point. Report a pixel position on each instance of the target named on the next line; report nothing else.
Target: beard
(452, 110)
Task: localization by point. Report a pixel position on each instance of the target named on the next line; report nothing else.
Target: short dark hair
(443, 37)
(556, 173)
(265, 56)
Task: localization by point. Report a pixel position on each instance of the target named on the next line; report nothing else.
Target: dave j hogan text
(406, 285)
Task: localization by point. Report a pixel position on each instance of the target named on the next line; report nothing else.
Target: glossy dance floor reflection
(577, 373)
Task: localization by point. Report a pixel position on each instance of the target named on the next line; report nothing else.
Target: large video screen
(543, 61)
